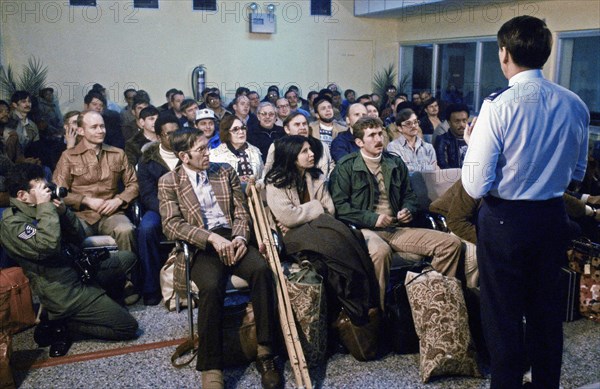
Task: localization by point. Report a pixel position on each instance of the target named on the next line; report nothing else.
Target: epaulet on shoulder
(346, 157)
(494, 95)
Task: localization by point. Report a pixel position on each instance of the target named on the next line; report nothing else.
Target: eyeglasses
(235, 130)
(409, 123)
(283, 106)
(267, 114)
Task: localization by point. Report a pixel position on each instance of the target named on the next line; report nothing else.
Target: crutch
(286, 316)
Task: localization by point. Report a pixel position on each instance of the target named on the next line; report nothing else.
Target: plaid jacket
(180, 211)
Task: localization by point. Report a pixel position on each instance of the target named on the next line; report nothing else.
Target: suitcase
(16, 305)
(569, 281)
(584, 258)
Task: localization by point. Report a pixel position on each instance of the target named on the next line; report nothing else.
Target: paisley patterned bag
(309, 304)
(440, 316)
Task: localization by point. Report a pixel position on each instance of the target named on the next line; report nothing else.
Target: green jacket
(32, 236)
(353, 188)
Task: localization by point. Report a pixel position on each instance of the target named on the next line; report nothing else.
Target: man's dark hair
(365, 96)
(91, 95)
(19, 95)
(311, 94)
(403, 115)
(429, 101)
(291, 91)
(358, 129)
(148, 111)
(348, 91)
(183, 139)
(69, 115)
(177, 92)
(98, 88)
(336, 93)
(320, 100)
(164, 118)
(452, 108)
(252, 92)
(138, 100)
(185, 104)
(214, 95)
(527, 39)
(326, 93)
(170, 92)
(242, 90)
(403, 105)
(3, 102)
(372, 104)
(127, 91)
(19, 176)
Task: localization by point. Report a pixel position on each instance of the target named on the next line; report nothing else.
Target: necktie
(197, 178)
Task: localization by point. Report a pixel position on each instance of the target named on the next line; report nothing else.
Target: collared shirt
(529, 142)
(421, 159)
(212, 214)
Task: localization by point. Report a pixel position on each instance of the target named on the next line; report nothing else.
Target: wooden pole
(286, 316)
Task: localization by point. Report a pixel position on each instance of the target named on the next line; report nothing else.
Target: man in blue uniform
(529, 143)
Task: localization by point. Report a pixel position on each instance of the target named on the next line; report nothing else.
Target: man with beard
(325, 128)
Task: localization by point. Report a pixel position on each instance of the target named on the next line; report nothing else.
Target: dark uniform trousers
(521, 246)
(210, 275)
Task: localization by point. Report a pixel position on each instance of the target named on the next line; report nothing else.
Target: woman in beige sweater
(300, 202)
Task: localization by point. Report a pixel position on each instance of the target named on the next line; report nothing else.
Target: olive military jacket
(33, 237)
(354, 189)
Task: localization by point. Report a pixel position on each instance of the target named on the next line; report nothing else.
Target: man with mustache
(371, 190)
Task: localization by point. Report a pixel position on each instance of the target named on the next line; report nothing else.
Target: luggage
(239, 339)
(309, 304)
(16, 305)
(584, 258)
(441, 322)
(167, 288)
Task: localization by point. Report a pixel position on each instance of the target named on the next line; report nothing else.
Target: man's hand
(110, 206)
(384, 221)
(41, 192)
(93, 203)
(404, 216)
(71, 137)
(61, 208)
(469, 130)
(240, 248)
(224, 248)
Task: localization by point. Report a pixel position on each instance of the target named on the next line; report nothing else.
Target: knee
(123, 229)
(381, 254)
(127, 259)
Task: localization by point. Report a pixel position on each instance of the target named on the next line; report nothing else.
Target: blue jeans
(149, 237)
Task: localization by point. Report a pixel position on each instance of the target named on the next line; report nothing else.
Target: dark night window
(145, 3)
(205, 5)
(87, 3)
(320, 7)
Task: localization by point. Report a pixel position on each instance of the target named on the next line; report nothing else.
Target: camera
(87, 261)
(57, 192)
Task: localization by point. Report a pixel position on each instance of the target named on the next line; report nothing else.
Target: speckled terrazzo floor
(152, 368)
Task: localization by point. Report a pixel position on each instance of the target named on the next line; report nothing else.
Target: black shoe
(62, 342)
(270, 375)
(43, 334)
(152, 298)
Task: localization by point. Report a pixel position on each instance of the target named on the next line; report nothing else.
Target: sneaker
(130, 295)
(270, 375)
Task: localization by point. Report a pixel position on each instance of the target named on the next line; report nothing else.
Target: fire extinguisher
(198, 81)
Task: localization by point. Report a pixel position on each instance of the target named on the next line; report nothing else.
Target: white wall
(155, 50)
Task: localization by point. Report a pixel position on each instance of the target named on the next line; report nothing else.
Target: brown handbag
(239, 339)
(361, 341)
(16, 306)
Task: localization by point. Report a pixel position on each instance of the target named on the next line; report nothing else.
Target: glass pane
(205, 5)
(579, 71)
(492, 78)
(415, 69)
(145, 3)
(456, 73)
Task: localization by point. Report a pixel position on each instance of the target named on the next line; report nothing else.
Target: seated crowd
(337, 179)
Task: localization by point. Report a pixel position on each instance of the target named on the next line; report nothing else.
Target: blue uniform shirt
(529, 141)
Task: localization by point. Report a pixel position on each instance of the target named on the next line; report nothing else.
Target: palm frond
(7, 81)
(33, 77)
(383, 79)
(403, 83)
